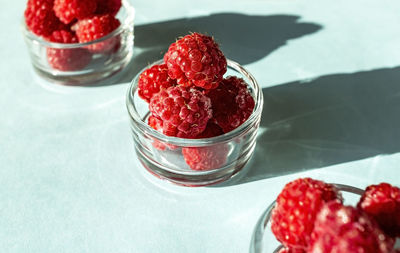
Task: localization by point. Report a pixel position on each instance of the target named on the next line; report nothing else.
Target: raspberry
(206, 158)
(184, 111)
(290, 250)
(211, 130)
(382, 202)
(94, 28)
(232, 103)
(108, 7)
(68, 59)
(63, 36)
(152, 80)
(341, 228)
(40, 17)
(69, 10)
(156, 124)
(292, 219)
(196, 60)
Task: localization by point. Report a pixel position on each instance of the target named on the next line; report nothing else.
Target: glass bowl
(264, 241)
(83, 63)
(163, 155)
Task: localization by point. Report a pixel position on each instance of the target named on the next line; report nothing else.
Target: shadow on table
(242, 38)
(330, 120)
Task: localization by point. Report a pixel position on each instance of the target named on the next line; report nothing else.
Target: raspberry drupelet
(196, 60)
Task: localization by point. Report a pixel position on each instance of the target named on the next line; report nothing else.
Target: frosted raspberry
(68, 59)
(232, 103)
(196, 60)
(69, 10)
(382, 202)
(63, 36)
(211, 130)
(156, 124)
(152, 80)
(184, 111)
(206, 158)
(94, 28)
(341, 228)
(108, 7)
(40, 18)
(297, 206)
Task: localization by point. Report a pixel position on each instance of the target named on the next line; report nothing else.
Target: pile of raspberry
(73, 21)
(310, 217)
(189, 97)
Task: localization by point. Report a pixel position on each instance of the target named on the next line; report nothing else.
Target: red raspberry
(232, 103)
(156, 124)
(69, 10)
(68, 59)
(184, 111)
(63, 36)
(382, 202)
(341, 228)
(108, 7)
(206, 158)
(196, 60)
(152, 80)
(94, 28)
(290, 250)
(211, 130)
(40, 17)
(292, 219)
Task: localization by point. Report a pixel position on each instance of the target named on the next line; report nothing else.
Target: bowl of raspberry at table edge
(194, 114)
(311, 216)
(78, 42)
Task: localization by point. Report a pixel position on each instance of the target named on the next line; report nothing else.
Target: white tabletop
(69, 178)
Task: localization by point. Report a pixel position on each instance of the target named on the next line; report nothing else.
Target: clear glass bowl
(87, 62)
(264, 241)
(163, 156)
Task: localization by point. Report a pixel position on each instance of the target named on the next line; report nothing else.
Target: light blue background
(69, 178)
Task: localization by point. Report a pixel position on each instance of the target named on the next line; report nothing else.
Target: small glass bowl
(264, 241)
(83, 63)
(163, 156)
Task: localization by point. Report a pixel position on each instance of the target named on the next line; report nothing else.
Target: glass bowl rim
(143, 127)
(265, 217)
(126, 24)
